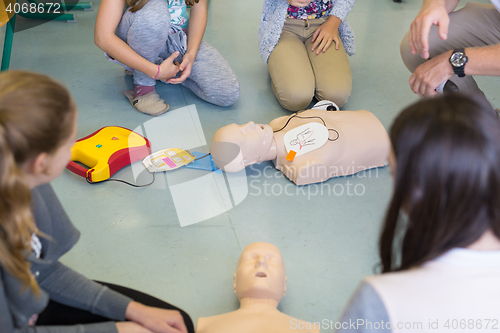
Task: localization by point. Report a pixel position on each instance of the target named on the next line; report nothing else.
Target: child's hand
(325, 34)
(168, 69)
(185, 68)
(299, 3)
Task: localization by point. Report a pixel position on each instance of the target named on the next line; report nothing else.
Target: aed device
(106, 151)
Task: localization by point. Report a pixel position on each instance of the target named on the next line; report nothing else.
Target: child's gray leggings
(147, 31)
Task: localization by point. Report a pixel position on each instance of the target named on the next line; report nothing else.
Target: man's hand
(325, 34)
(299, 3)
(155, 319)
(428, 76)
(432, 13)
(185, 68)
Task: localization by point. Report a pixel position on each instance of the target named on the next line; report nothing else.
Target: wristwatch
(458, 60)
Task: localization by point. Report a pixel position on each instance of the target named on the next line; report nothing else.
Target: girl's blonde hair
(36, 116)
(135, 5)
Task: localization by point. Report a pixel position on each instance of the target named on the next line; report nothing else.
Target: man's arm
(483, 60)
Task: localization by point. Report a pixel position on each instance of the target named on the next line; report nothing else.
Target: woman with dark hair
(440, 244)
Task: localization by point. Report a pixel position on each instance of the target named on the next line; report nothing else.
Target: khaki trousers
(472, 26)
(299, 74)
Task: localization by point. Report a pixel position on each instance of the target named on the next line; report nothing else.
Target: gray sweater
(57, 282)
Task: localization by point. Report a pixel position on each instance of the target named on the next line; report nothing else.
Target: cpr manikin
(259, 283)
(308, 147)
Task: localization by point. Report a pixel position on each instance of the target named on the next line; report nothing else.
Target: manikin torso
(259, 283)
(362, 143)
(258, 319)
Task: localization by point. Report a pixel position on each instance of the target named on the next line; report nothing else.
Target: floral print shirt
(178, 13)
(314, 10)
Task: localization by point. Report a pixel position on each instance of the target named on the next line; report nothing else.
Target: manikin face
(253, 140)
(260, 273)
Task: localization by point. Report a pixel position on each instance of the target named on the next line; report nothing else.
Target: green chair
(7, 46)
(10, 26)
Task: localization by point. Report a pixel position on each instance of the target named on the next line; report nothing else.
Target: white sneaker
(326, 106)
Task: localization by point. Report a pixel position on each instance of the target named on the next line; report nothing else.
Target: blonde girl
(37, 130)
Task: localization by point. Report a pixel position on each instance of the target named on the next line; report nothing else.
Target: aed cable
(199, 158)
(121, 181)
(135, 185)
(295, 115)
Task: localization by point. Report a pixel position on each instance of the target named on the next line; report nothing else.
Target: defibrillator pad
(168, 159)
(305, 138)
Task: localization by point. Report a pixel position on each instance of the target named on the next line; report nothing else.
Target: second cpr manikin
(260, 283)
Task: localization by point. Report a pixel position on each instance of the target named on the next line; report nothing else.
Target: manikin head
(234, 146)
(260, 273)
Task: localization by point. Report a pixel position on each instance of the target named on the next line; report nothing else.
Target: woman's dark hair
(447, 180)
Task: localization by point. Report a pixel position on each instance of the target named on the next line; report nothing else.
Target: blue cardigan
(273, 19)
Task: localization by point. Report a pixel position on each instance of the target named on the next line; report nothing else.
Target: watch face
(458, 59)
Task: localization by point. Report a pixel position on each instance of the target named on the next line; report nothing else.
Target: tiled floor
(133, 236)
